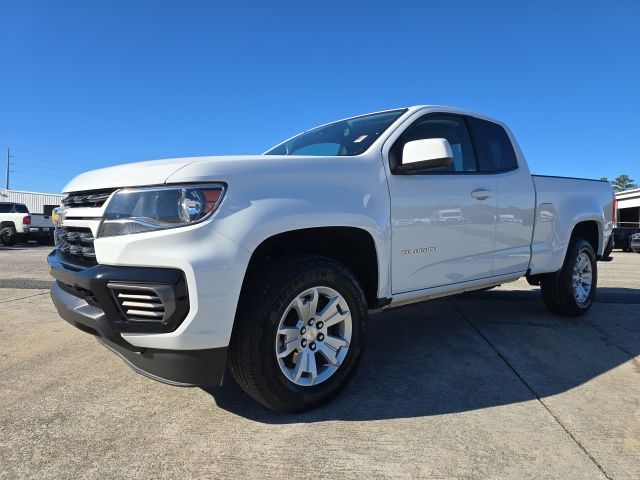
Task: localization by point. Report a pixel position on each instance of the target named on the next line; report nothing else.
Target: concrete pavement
(484, 385)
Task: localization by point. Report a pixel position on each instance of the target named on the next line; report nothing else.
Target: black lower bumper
(81, 297)
(182, 368)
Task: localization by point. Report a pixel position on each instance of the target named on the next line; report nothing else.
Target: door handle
(481, 194)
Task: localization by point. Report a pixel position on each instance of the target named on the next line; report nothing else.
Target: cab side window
(20, 209)
(450, 127)
(494, 150)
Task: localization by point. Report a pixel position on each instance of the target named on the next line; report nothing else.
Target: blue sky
(89, 84)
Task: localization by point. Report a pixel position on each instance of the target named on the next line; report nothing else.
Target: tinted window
(450, 127)
(5, 207)
(493, 147)
(20, 208)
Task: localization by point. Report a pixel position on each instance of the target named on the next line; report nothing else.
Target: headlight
(136, 210)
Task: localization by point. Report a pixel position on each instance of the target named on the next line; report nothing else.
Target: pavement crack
(533, 392)
(23, 298)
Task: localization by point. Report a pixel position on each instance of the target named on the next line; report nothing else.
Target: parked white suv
(269, 264)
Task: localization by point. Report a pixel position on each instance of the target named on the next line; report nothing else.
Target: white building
(629, 208)
(36, 202)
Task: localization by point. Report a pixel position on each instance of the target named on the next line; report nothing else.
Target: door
(443, 220)
(496, 156)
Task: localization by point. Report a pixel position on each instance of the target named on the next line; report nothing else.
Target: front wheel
(300, 333)
(571, 290)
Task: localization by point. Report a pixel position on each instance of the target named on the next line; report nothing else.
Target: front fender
(268, 197)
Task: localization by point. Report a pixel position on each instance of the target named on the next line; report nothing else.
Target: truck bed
(562, 203)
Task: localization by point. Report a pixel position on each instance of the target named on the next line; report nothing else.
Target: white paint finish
(268, 195)
(561, 204)
(153, 172)
(438, 211)
(214, 268)
(515, 218)
(427, 150)
(480, 225)
(16, 219)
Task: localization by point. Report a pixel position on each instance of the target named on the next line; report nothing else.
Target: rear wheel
(571, 290)
(300, 333)
(8, 236)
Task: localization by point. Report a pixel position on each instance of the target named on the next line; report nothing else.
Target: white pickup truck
(269, 264)
(18, 225)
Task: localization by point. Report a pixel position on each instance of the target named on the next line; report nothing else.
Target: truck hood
(153, 172)
(157, 172)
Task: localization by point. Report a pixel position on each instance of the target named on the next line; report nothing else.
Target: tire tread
(556, 287)
(263, 286)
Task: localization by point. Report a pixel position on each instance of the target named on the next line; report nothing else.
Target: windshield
(344, 138)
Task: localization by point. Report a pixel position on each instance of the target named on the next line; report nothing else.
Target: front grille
(76, 244)
(144, 303)
(95, 198)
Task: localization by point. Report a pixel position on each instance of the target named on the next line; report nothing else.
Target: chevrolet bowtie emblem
(58, 215)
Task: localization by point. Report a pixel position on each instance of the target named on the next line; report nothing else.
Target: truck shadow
(25, 246)
(458, 355)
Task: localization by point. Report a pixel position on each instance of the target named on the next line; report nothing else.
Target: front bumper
(84, 297)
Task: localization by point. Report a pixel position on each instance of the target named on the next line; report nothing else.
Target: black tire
(557, 288)
(8, 236)
(266, 296)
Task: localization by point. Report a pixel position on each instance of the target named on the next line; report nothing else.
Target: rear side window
(494, 150)
(20, 208)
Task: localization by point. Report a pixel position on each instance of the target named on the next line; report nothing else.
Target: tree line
(621, 183)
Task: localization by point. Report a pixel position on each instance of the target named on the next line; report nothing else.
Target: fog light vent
(144, 303)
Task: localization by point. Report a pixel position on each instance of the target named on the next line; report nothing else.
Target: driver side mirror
(425, 153)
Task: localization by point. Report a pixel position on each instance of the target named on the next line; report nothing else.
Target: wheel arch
(354, 247)
(591, 231)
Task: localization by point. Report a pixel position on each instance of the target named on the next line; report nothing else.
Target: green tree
(622, 183)
(604, 179)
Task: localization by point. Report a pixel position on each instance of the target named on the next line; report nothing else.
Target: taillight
(26, 220)
(615, 210)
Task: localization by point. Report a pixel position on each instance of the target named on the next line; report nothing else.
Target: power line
(43, 174)
(6, 181)
(31, 166)
(48, 161)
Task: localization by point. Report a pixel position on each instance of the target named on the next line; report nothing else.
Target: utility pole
(6, 181)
